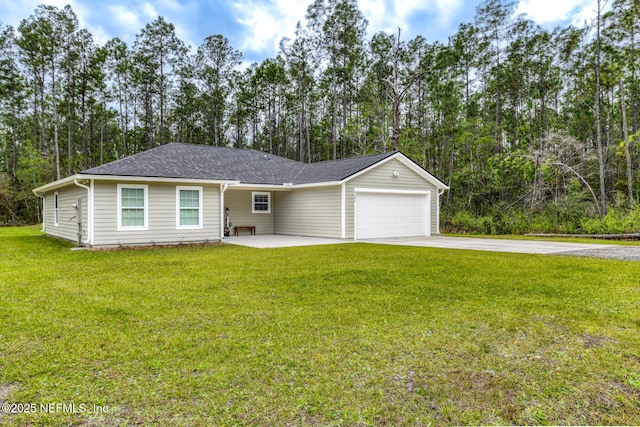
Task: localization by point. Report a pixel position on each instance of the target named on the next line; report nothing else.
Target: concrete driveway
(493, 245)
(478, 244)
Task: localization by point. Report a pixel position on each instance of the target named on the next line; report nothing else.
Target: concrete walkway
(479, 244)
(264, 241)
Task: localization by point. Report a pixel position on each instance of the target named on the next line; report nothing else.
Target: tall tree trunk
(43, 113)
(334, 120)
(345, 115)
(69, 124)
(216, 136)
(601, 160)
(83, 125)
(396, 97)
(161, 97)
(14, 135)
(35, 110)
(627, 152)
(301, 123)
(308, 135)
(497, 132)
(54, 109)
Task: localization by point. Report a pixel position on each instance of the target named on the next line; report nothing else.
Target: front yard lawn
(352, 334)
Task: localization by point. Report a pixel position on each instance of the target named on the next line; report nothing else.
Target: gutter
(44, 219)
(223, 188)
(56, 184)
(88, 177)
(87, 241)
(440, 193)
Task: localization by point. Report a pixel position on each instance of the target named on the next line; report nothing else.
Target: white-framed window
(56, 211)
(133, 207)
(260, 202)
(188, 207)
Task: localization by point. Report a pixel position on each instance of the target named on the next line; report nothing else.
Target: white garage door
(381, 214)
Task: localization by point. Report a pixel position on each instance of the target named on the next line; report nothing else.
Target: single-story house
(186, 193)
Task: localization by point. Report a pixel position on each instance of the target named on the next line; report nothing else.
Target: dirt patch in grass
(591, 341)
(5, 391)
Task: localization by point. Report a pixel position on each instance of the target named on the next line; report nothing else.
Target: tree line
(532, 129)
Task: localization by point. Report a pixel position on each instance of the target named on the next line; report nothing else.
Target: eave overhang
(123, 178)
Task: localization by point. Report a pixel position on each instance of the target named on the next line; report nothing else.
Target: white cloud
(267, 23)
(124, 17)
(149, 11)
(131, 20)
(375, 11)
(185, 34)
(389, 15)
(448, 10)
(100, 35)
(549, 12)
(445, 9)
(170, 5)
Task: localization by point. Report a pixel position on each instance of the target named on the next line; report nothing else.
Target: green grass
(351, 334)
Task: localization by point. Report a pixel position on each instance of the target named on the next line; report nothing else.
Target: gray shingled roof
(337, 170)
(191, 161)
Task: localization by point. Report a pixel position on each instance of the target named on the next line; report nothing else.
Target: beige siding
(310, 212)
(162, 217)
(382, 177)
(240, 202)
(67, 227)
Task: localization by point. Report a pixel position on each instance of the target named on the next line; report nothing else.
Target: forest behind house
(534, 130)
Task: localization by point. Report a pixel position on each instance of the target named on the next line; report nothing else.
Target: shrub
(561, 218)
(590, 226)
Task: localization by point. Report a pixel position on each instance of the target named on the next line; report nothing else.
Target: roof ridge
(384, 153)
(303, 166)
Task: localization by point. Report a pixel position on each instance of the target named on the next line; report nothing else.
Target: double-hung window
(261, 202)
(133, 207)
(188, 207)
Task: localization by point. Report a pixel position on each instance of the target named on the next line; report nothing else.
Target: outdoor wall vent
(396, 174)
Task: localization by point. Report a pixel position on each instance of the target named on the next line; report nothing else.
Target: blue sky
(255, 27)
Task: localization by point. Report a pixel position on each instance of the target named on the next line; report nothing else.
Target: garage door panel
(380, 214)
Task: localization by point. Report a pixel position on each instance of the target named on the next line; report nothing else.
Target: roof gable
(419, 170)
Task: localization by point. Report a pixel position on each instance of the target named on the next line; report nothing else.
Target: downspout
(44, 212)
(223, 188)
(440, 193)
(343, 218)
(87, 241)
